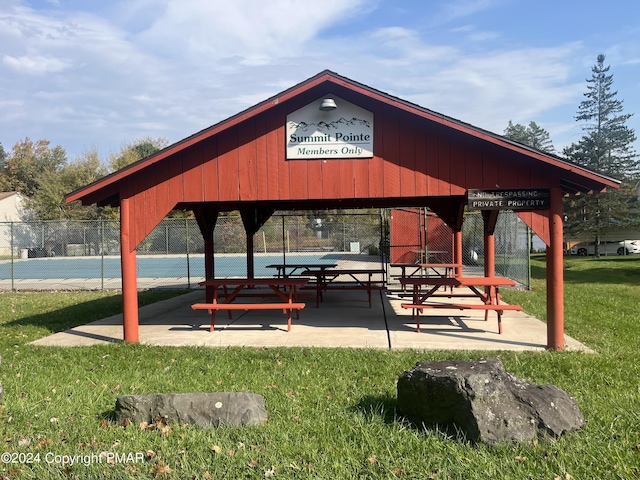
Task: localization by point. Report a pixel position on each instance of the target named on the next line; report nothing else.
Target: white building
(11, 209)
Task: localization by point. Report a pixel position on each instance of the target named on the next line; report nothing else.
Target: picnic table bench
(490, 296)
(410, 270)
(356, 279)
(298, 268)
(285, 291)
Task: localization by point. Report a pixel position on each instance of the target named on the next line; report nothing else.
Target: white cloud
(456, 9)
(254, 31)
(35, 65)
(490, 89)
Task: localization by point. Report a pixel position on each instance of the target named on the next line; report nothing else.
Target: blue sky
(95, 75)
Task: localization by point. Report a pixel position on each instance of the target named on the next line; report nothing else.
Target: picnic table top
(285, 281)
(427, 265)
(350, 271)
(460, 281)
(301, 265)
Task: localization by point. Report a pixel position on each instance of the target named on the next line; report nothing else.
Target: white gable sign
(343, 132)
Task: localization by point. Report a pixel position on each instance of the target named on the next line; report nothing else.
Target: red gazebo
(360, 148)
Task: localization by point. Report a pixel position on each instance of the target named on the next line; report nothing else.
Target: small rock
(205, 410)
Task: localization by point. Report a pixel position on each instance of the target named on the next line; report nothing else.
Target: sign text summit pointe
(338, 137)
(509, 199)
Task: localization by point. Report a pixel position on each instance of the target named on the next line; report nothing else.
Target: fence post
(12, 246)
(101, 253)
(284, 255)
(186, 245)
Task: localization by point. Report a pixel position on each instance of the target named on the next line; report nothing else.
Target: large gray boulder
(483, 401)
(205, 410)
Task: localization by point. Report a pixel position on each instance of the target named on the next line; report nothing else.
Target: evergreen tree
(606, 147)
(532, 135)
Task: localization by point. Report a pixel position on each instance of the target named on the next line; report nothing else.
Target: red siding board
(163, 202)
(192, 176)
(298, 176)
(347, 177)
(539, 177)
(408, 159)
(473, 172)
(284, 176)
(228, 166)
(314, 178)
(210, 170)
(420, 163)
(375, 173)
(261, 156)
(432, 164)
(151, 215)
(272, 162)
(176, 191)
(391, 153)
(331, 178)
(490, 169)
(361, 178)
(247, 160)
(443, 181)
(458, 165)
(508, 173)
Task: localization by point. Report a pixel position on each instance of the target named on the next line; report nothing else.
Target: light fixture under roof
(328, 104)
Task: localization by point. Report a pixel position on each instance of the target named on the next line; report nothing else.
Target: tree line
(44, 175)
(605, 147)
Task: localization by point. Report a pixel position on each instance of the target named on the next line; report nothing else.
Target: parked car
(627, 247)
(624, 247)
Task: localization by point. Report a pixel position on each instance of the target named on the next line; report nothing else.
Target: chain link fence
(419, 236)
(512, 246)
(86, 254)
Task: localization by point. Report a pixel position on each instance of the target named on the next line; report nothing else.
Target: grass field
(332, 412)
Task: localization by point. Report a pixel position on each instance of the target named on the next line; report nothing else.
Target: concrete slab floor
(343, 319)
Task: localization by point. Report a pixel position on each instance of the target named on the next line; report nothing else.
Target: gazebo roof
(574, 178)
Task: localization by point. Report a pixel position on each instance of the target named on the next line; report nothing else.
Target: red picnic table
(410, 270)
(285, 293)
(356, 279)
(490, 296)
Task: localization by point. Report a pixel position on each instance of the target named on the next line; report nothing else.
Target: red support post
(555, 275)
(250, 259)
(208, 267)
(489, 255)
(457, 251)
(489, 221)
(129, 276)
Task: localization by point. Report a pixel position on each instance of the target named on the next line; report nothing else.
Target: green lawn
(332, 412)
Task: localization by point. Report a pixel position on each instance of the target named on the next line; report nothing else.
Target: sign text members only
(344, 132)
(509, 199)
